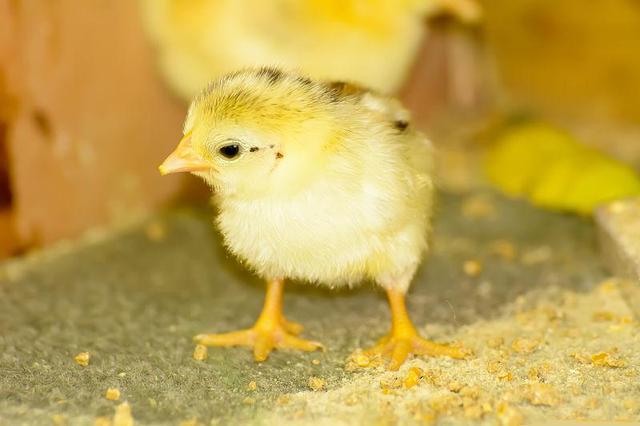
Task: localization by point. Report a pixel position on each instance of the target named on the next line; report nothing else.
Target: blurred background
(538, 98)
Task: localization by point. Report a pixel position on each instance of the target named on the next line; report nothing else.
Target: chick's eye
(229, 151)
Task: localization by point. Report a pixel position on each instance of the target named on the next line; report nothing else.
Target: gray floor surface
(135, 303)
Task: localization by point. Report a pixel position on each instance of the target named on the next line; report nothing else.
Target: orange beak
(184, 159)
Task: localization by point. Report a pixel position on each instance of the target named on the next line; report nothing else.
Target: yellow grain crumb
(495, 342)
(581, 358)
(102, 421)
(413, 377)
(472, 268)
(316, 383)
(508, 416)
(252, 385)
(603, 316)
(455, 386)
(389, 383)
(604, 359)
(362, 360)
(504, 249)
(473, 412)
(249, 401)
(156, 231)
(352, 399)
(524, 345)
(283, 400)
(190, 422)
(200, 353)
(472, 392)
(608, 286)
(631, 404)
(315, 361)
(59, 420)
(445, 404)
(83, 358)
(112, 394)
(541, 394)
(123, 415)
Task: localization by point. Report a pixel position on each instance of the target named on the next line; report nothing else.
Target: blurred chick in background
(322, 182)
(553, 170)
(371, 42)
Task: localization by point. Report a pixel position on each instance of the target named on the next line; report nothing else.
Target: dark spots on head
(253, 149)
(304, 81)
(42, 122)
(337, 90)
(271, 146)
(273, 75)
(400, 125)
(279, 155)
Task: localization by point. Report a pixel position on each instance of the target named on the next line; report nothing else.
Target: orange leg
(404, 338)
(271, 331)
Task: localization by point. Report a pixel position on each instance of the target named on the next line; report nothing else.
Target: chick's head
(257, 131)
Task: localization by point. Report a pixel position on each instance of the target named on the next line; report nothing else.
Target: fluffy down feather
(331, 182)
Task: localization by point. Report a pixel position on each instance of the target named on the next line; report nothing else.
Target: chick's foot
(263, 338)
(271, 331)
(398, 347)
(404, 338)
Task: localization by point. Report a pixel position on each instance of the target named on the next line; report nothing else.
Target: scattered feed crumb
(283, 400)
(315, 361)
(472, 268)
(123, 415)
(200, 353)
(316, 383)
(508, 416)
(495, 342)
(59, 420)
(521, 373)
(249, 401)
(541, 394)
(362, 360)
(455, 386)
(83, 358)
(413, 377)
(605, 359)
(156, 231)
(252, 385)
(525, 345)
(503, 249)
(112, 394)
(190, 422)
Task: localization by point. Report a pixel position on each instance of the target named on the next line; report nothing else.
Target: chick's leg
(271, 331)
(404, 338)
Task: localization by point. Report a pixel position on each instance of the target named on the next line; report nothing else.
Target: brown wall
(85, 119)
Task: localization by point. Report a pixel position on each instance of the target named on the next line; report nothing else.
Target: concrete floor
(135, 298)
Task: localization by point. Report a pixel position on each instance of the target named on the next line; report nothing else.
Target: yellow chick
(372, 42)
(322, 182)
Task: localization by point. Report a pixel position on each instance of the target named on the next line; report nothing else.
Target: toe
(401, 351)
(426, 347)
(292, 327)
(236, 338)
(263, 346)
(292, 342)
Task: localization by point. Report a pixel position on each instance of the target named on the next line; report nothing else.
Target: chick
(322, 182)
(372, 42)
